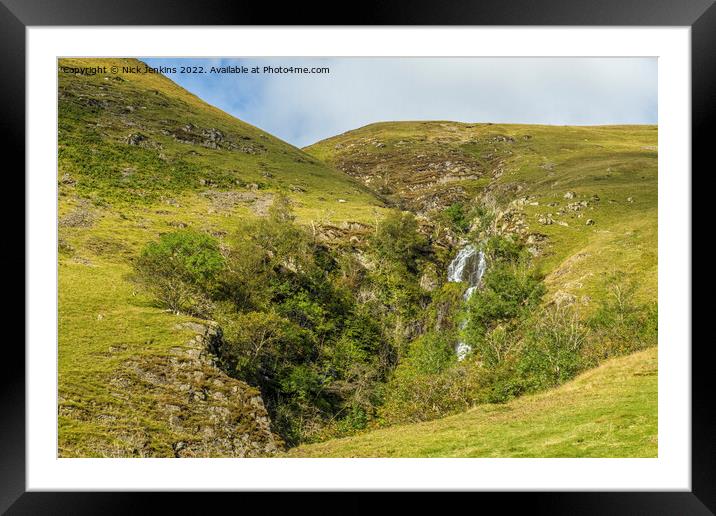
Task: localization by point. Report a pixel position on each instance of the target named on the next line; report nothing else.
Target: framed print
(443, 251)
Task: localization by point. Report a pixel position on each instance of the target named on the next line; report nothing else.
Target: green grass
(103, 323)
(114, 198)
(610, 411)
(119, 197)
(97, 114)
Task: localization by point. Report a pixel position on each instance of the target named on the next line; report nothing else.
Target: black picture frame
(17, 15)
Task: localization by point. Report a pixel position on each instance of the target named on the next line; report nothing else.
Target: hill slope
(585, 198)
(140, 137)
(139, 157)
(610, 411)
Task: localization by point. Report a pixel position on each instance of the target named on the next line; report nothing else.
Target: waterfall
(468, 266)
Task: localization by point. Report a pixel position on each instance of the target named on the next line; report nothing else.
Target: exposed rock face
(545, 220)
(140, 140)
(424, 173)
(355, 233)
(510, 220)
(577, 206)
(136, 139)
(429, 280)
(209, 413)
(80, 217)
(563, 298)
(213, 138)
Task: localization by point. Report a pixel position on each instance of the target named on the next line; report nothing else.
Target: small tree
(621, 325)
(260, 345)
(509, 293)
(180, 269)
(398, 241)
(553, 351)
(456, 218)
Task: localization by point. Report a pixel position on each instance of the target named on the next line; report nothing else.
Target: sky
(305, 108)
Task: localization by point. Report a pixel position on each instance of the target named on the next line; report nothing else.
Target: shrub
(500, 248)
(496, 345)
(426, 383)
(412, 396)
(443, 312)
(180, 270)
(263, 255)
(292, 327)
(456, 218)
(509, 292)
(431, 353)
(398, 242)
(261, 345)
(553, 347)
(620, 325)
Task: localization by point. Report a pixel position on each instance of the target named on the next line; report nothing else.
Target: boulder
(545, 220)
(136, 139)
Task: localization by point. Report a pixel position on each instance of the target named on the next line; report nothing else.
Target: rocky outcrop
(351, 233)
(209, 414)
(213, 138)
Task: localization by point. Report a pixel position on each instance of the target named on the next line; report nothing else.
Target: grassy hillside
(192, 166)
(607, 173)
(610, 411)
(346, 292)
(138, 137)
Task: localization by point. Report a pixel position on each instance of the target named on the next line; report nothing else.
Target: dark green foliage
(335, 347)
(398, 241)
(181, 270)
(290, 324)
(505, 249)
(509, 293)
(456, 218)
(432, 353)
(443, 312)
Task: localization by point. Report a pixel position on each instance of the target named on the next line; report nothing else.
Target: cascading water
(468, 266)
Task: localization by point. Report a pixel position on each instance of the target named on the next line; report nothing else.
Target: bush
(504, 249)
(553, 348)
(509, 293)
(181, 270)
(293, 327)
(456, 218)
(264, 256)
(412, 397)
(620, 325)
(431, 353)
(261, 345)
(426, 384)
(336, 346)
(398, 242)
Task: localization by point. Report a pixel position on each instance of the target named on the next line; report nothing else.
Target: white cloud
(303, 109)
